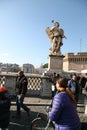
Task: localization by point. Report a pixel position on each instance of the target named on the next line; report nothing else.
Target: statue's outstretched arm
(64, 37)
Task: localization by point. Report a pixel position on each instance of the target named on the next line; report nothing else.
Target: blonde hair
(63, 86)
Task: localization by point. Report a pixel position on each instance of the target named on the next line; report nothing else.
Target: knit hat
(3, 89)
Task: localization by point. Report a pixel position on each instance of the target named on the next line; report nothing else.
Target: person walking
(21, 89)
(4, 109)
(63, 111)
(53, 84)
(82, 82)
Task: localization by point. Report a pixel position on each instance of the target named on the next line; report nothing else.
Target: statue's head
(56, 24)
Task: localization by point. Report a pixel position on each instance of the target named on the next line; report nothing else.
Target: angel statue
(55, 34)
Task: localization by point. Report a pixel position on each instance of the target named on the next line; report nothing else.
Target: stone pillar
(55, 63)
(45, 88)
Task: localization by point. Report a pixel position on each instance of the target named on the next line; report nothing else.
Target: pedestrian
(53, 84)
(82, 82)
(4, 109)
(74, 86)
(63, 111)
(21, 89)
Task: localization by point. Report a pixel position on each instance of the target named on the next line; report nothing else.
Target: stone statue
(55, 34)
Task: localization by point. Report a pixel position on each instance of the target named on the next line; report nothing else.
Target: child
(4, 109)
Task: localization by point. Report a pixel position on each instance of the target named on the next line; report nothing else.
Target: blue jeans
(19, 103)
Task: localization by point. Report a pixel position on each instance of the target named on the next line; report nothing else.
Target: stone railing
(38, 85)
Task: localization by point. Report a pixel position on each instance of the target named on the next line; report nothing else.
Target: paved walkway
(37, 105)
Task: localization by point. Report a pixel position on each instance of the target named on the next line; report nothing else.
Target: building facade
(28, 68)
(74, 62)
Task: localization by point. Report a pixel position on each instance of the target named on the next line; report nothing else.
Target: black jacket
(21, 85)
(4, 112)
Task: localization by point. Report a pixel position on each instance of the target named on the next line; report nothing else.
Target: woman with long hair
(63, 111)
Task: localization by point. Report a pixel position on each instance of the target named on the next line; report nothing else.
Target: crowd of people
(65, 96)
(76, 83)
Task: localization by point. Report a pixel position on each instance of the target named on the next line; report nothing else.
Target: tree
(45, 65)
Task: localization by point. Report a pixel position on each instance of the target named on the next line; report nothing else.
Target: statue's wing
(62, 33)
(49, 33)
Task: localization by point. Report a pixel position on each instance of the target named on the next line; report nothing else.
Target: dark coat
(21, 85)
(75, 87)
(4, 112)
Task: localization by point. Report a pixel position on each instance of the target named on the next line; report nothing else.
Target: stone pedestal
(45, 88)
(55, 63)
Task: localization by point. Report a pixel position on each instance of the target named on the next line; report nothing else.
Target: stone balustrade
(38, 85)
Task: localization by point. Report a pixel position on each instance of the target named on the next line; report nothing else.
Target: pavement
(38, 105)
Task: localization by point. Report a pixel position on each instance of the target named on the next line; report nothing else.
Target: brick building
(74, 62)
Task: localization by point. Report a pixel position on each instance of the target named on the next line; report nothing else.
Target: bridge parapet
(38, 85)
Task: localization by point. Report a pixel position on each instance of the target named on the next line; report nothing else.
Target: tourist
(63, 111)
(53, 84)
(74, 86)
(82, 82)
(21, 89)
(4, 109)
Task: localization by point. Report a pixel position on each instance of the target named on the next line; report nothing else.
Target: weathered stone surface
(55, 63)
